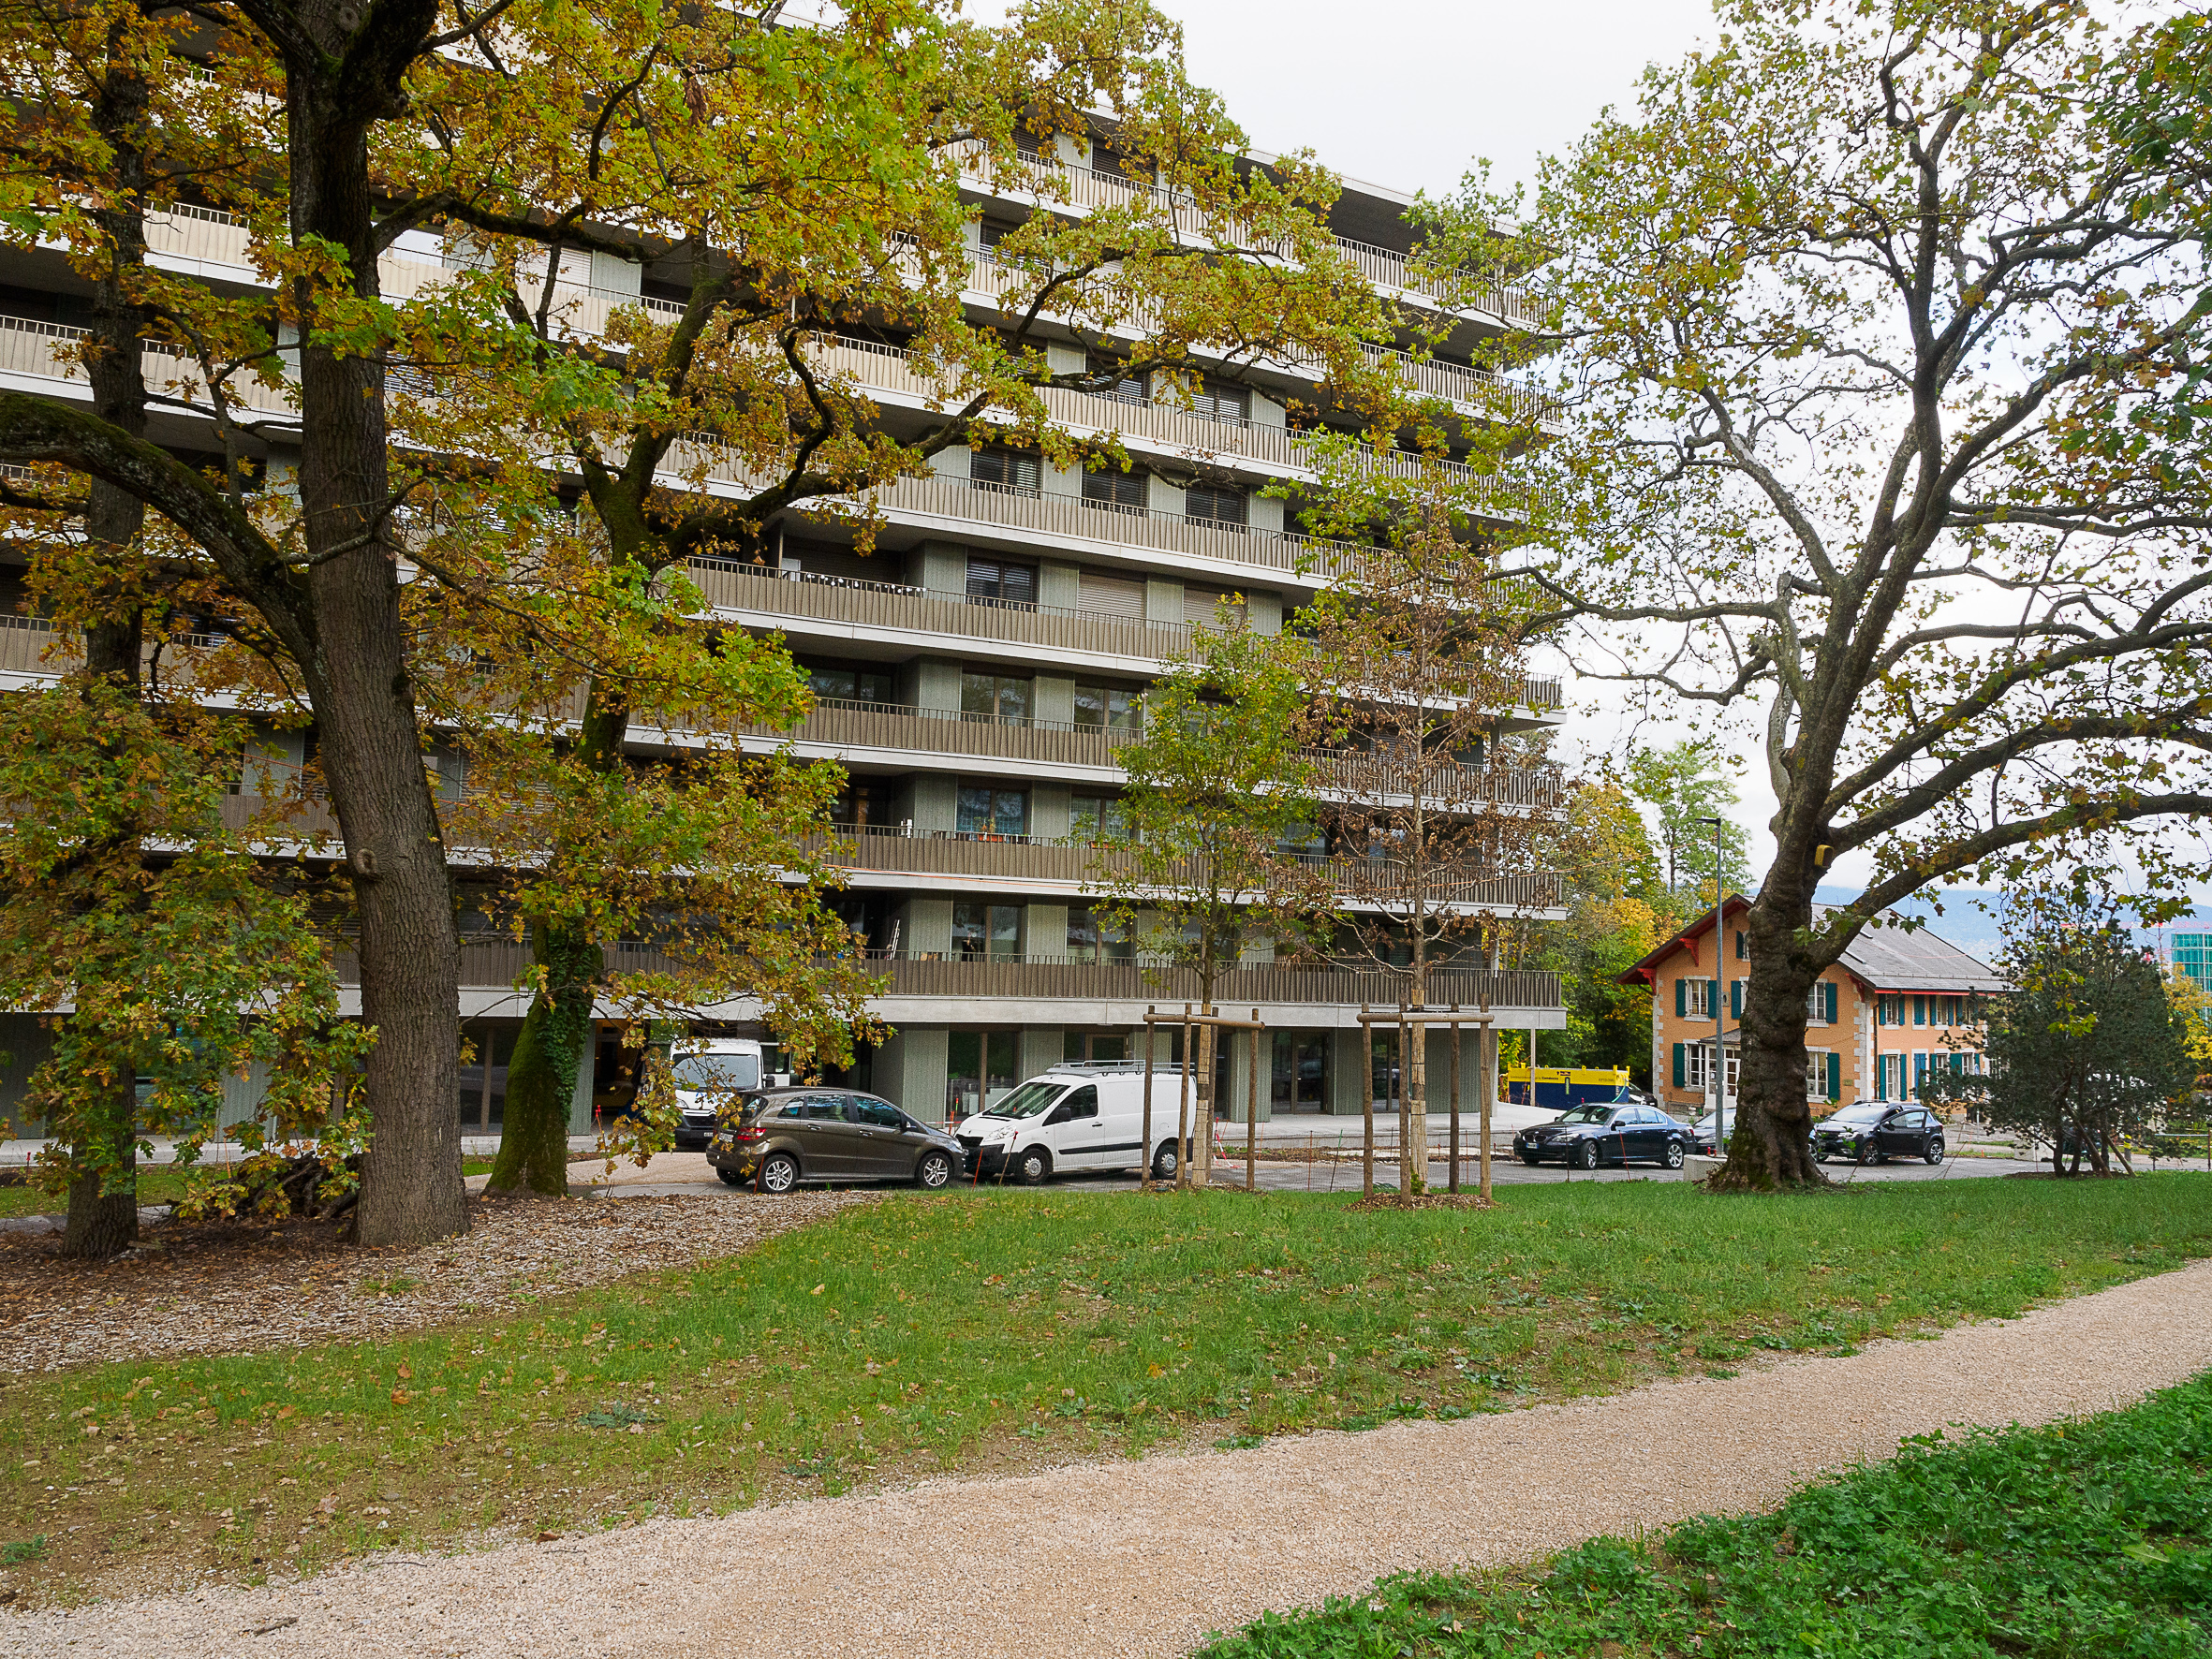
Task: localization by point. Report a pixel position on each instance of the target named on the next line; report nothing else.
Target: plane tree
(1880, 328)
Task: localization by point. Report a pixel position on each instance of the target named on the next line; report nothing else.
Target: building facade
(1901, 1002)
(975, 674)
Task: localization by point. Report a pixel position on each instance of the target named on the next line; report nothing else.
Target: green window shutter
(1920, 1010)
(1681, 1064)
(1735, 999)
(1835, 1077)
(1832, 1002)
(1681, 1011)
(1743, 954)
(1881, 1076)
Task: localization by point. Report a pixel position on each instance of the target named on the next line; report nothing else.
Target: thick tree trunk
(103, 1218)
(1770, 1146)
(548, 1055)
(411, 1187)
(556, 1032)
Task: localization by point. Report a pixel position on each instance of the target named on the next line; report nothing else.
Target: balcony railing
(982, 857)
(40, 349)
(1033, 978)
(1086, 188)
(883, 368)
(837, 723)
(729, 584)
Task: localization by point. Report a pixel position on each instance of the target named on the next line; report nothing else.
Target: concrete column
(1348, 1077)
(1163, 600)
(933, 801)
(952, 461)
(1065, 481)
(1266, 612)
(940, 566)
(1059, 584)
(910, 1072)
(1049, 811)
(1065, 360)
(926, 925)
(936, 684)
(1266, 512)
(1053, 697)
(1240, 1077)
(1164, 497)
(1265, 411)
(1044, 931)
(1038, 1047)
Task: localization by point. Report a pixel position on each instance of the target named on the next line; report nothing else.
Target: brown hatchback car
(782, 1137)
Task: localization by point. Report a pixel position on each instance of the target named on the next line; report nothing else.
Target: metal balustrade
(36, 349)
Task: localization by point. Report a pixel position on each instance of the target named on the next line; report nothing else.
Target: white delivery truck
(1082, 1116)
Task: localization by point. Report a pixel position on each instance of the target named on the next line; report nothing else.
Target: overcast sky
(1411, 94)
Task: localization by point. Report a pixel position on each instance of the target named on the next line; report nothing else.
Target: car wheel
(934, 1172)
(1163, 1162)
(730, 1178)
(1674, 1154)
(779, 1172)
(1865, 1152)
(1820, 1156)
(1586, 1154)
(1935, 1153)
(1035, 1167)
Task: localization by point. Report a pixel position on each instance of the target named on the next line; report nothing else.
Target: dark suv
(783, 1136)
(1874, 1131)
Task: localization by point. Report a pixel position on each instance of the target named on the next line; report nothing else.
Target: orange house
(1901, 1004)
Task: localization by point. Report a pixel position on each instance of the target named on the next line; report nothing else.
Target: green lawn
(158, 1183)
(984, 1331)
(2087, 1538)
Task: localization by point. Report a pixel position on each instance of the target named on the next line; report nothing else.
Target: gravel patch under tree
(248, 1290)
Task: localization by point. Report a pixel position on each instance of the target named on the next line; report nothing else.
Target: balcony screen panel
(1109, 596)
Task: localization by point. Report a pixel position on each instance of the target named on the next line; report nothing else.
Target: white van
(709, 1076)
(1082, 1116)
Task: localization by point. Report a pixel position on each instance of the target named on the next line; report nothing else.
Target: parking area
(1315, 1161)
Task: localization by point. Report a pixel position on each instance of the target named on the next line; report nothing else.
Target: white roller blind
(1109, 596)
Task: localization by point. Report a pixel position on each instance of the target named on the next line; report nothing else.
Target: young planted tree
(2085, 1051)
(1686, 785)
(1420, 652)
(1221, 801)
(1881, 324)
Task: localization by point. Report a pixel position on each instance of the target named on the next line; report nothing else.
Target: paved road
(689, 1173)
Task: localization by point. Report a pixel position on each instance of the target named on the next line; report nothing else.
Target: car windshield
(1027, 1101)
(1856, 1115)
(1598, 1111)
(694, 1072)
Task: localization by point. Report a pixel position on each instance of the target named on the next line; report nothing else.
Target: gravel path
(248, 1290)
(1145, 1557)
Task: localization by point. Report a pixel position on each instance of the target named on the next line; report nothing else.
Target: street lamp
(1720, 978)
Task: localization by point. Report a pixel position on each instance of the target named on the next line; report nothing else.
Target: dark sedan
(783, 1136)
(1874, 1131)
(1607, 1132)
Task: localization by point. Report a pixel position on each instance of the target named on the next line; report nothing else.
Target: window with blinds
(1016, 471)
(1109, 596)
(1217, 504)
(993, 582)
(1114, 379)
(1217, 400)
(1109, 487)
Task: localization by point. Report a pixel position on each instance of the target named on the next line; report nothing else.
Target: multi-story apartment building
(1901, 1004)
(975, 674)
